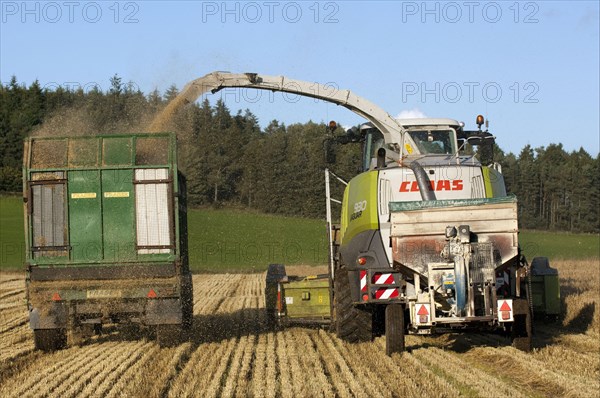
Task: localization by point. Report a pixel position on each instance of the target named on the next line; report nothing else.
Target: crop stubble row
(232, 353)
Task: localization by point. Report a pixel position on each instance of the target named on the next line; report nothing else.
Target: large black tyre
(521, 329)
(50, 339)
(169, 335)
(352, 323)
(394, 329)
(187, 303)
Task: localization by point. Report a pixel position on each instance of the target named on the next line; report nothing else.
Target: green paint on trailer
(118, 215)
(307, 298)
(546, 294)
(117, 151)
(85, 222)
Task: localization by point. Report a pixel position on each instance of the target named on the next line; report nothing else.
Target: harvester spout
(392, 130)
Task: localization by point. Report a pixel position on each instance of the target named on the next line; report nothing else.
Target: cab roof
(418, 122)
(428, 122)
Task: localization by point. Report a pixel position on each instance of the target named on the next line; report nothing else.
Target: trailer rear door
(101, 215)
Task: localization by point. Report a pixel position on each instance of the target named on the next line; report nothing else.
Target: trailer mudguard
(163, 311)
(54, 317)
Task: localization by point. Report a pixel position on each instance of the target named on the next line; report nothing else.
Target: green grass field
(12, 245)
(555, 245)
(233, 240)
(239, 241)
(219, 240)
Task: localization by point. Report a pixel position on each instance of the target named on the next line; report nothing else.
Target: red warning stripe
(385, 293)
(380, 278)
(363, 280)
(423, 310)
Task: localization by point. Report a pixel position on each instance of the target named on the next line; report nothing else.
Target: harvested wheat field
(232, 353)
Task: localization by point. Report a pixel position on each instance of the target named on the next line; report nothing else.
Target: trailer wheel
(187, 311)
(394, 329)
(50, 339)
(81, 333)
(521, 328)
(352, 323)
(168, 335)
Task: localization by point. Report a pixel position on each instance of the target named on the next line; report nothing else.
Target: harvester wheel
(168, 335)
(521, 328)
(352, 323)
(394, 328)
(50, 339)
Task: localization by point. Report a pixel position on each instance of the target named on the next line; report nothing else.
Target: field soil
(231, 352)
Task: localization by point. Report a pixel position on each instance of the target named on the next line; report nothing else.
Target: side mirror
(486, 151)
(352, 135)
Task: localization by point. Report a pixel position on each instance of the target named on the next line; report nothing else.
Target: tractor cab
(427, 136)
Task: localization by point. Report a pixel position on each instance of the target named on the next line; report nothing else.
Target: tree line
(230, 161)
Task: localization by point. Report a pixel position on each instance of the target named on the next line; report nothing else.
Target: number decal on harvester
(359, 207)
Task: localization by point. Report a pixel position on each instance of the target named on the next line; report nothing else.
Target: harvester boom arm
(391, 129)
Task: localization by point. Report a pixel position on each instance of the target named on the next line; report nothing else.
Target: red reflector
(362, 260)
(505, 306)
(365, 297)
(423, 311)
(151, 294)
(505, 315)
(278, 299)
(56, 297)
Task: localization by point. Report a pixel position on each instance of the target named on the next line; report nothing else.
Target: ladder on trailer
(333, 230)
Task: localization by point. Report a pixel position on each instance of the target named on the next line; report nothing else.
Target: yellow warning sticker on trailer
(103, 293)
(83, 195)
(116, 194)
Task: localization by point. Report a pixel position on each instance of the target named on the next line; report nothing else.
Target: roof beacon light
(479, 121)
(332, 126)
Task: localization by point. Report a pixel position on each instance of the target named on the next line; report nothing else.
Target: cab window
(434, 141)
(373, 141)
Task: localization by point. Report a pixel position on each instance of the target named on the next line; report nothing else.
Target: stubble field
(231, 352)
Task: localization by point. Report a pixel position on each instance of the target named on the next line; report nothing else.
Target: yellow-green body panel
(359, 206)
(489, 191)
(493, 182)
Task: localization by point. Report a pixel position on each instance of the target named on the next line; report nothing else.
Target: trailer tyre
(169, 335)
(521, 329)
(352, 323)
(394, 329)
(187, 313)
(50, 339)
(81, 333)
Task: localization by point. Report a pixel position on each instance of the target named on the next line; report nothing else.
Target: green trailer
(293, 300)
(106, 236)
(545, 288)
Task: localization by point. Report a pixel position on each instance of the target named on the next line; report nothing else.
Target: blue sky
(530, 67)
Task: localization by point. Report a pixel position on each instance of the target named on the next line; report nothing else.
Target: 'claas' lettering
(440, 185)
